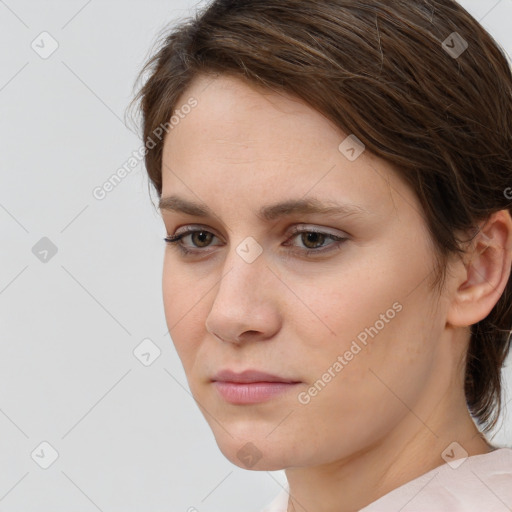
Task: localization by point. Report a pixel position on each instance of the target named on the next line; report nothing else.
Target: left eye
(313, 240)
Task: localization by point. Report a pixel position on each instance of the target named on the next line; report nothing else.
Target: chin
(249, 456)
(254, 452)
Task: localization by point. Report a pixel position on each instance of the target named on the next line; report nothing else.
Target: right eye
(200, 238)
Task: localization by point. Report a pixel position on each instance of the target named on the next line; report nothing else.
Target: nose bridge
(239, 304)
(245, 266)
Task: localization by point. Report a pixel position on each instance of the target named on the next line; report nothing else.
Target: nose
(246, 304)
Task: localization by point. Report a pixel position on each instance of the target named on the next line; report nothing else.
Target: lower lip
(251, 392)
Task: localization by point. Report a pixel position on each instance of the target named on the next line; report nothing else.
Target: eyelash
(175, 241)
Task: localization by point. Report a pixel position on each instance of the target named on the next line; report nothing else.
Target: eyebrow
(270, 212)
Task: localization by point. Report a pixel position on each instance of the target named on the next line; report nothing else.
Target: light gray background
(129, 437)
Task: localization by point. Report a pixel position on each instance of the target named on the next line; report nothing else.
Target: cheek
(182, 294)
(376, 312)
(384, 346)
(342, 305)
(182, 290)
(370, 389)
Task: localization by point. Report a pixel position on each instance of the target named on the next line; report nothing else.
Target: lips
(249, 376)
(251, 386)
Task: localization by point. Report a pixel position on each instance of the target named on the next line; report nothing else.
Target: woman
(334, 177)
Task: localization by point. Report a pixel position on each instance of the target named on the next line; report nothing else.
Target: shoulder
(480, 482)
(279, 503)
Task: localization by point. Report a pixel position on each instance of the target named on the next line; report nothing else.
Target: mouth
(251, 386)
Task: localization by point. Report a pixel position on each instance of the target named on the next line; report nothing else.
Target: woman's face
(353, 323)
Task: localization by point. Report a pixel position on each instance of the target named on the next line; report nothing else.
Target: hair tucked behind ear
(378, 70)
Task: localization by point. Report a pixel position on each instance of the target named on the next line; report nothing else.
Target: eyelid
(301, 228)
(337, 241)
(193, 227)
(297, 228)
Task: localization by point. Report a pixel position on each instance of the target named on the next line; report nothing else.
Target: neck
(412, 448)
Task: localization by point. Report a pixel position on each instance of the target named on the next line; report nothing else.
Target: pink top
(480, 483)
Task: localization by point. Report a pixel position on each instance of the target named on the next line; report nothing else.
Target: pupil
(201, 236)
(313, 238)
(310, 238)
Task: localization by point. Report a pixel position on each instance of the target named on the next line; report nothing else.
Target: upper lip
(249, 376)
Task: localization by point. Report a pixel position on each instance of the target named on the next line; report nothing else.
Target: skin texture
(387, 416)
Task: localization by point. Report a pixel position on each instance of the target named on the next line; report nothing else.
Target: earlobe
(485, 273)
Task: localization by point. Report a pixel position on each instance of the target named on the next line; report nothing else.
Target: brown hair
(384, 72)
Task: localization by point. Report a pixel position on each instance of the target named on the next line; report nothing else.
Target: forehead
(233, 111)
(256, 146)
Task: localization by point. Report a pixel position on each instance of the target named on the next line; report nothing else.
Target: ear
(484, 272)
